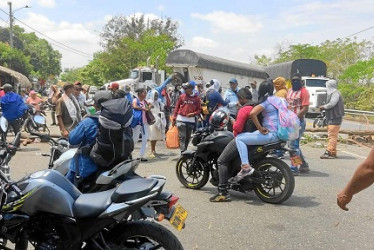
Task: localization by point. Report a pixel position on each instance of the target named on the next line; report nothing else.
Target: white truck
(202, 68)
(313, 74)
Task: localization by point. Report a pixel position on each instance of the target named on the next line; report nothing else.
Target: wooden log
(343, 131)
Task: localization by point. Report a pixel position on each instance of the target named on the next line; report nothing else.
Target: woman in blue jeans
(266, 133)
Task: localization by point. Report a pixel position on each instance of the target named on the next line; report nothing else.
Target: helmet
(219, 119)
(102, 96)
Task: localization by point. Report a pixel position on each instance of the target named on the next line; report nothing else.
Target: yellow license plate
(296, 160)
(179, 217)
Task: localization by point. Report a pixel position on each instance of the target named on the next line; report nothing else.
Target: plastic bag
(172, 138)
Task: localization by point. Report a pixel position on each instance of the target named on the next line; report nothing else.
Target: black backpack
(249, 125)
(114, 141)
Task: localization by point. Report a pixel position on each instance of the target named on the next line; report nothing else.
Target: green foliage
(362, 72)
(15, 59)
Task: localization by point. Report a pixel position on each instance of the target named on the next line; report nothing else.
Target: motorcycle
(273, 183)
(36, 120)
(320, 120)
(45, 210)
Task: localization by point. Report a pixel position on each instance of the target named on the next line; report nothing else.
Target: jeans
(184, 132)
(254, 138)
(228, 163)
(295, 144)
(135, 137)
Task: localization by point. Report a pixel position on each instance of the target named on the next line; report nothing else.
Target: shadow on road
(313, 174)
(297, 201)
(346, 157)
(28, 149)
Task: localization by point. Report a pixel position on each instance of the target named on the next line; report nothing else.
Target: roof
(19, 78)
(189, 58)
(305, 67)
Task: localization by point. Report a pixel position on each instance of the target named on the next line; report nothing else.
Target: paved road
(349, 125)
(310, 219)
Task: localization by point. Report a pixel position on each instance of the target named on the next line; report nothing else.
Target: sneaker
(327, 155)
(220, 197)
(152, 156)
(143, 159)
(243, 173)
(304, 168)
(295, 171)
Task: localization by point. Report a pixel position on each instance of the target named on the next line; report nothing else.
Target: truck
(313, 73)
(141, 77)
(202, 68)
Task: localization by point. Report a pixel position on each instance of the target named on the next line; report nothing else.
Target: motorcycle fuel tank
(220, 139)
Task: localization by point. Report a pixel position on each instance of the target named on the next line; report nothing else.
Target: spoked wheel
(143, 235)
(279, 181)
(192, 176)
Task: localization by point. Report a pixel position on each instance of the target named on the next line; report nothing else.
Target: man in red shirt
(298, 102)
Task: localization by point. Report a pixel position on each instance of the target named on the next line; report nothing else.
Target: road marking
(349, 153)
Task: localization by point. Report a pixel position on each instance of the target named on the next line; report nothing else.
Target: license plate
(179, 217)
(296, 160)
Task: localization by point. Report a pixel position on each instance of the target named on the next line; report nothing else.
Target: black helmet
(102, 96)
(265, 89)
(219, 119)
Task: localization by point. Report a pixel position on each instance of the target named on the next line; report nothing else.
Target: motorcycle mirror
(3, 124)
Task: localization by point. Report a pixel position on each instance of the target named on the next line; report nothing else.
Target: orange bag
(172, 138)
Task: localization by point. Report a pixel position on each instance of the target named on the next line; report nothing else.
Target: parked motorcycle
(320, 120)
(273, 183)
(45, 210)
(36, 120)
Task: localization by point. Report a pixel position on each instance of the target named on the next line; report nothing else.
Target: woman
(34, 100)
(266, 133)
(280, 87)
(140, 104)
(157, 130)
(54, 94)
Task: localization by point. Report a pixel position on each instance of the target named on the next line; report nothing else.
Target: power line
(360, 31)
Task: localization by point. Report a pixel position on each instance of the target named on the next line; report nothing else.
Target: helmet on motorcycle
(219, 119)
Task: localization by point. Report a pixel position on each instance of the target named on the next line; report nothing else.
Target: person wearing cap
(81, 98)
(254, 91)
(231, 97)
(298, 102)
(84, 136)
(113, 87)
(187, 107)
(214, 98)
(85, 91)
(280, 87)
(34, 100)
(13, 108)
(68, 111)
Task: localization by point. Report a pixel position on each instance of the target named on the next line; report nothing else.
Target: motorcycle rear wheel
(193, 177)
(280, 181)
(143, 235)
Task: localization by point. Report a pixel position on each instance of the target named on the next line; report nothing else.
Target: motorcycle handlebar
(44, 137)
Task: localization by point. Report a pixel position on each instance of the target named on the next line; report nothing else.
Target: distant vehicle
(313, 73)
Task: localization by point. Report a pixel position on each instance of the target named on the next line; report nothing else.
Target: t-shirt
(241, 119)
(297, 99)
(270, 115)
(34, 102)
(141, 104)
(62, 111)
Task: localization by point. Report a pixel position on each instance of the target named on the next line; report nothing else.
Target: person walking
(68, 110)
(298, 102)
(334, 116)
(140, 104)
(187, 107)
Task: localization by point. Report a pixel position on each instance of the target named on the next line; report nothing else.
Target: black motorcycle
(45, 210)
(36, 120)
(320, 120)
(273, 183)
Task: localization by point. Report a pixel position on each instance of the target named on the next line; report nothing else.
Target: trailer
(202, 68)
(313, 73)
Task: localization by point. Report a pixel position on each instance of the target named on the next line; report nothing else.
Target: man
(113, 87)
(298, 102)
(84, 135)
(67, 110)
(81, 98)
(13, 108)
(214, 98)
(254, 91)
(128, 95)
(361, 179)
(334, 116)
(231, 97)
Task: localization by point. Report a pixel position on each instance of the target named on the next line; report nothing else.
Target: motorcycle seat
(133, 189)
(266, 147)
(92, 205)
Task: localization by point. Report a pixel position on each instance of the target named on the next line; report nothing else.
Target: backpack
(114, 141)
(249, 125)
(289, 123)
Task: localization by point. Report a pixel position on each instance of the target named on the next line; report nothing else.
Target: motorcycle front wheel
(192, 176)
(317, 122)
(143, 235)
(278, 181)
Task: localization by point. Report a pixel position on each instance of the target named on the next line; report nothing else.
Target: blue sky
(235, 30)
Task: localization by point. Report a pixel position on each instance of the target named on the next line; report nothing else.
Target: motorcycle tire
(29, 127)
(278, 175)
(143, 235)
(316, 122)
(192, 177)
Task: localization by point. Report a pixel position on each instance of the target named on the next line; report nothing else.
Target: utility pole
(10, 24)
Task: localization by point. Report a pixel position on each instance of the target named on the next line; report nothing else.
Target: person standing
(214, 98)
(113, 87)
(254, 91)
(334, 116)
(187, 107)
(298, 102)
(54, 95)
(23, 95)
(231, 97)
(13, 108)
(280, 87)
(67, 110)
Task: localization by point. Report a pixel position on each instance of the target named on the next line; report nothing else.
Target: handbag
(172, 138)
(150, 117)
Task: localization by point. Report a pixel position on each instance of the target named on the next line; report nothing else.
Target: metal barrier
(359, 112)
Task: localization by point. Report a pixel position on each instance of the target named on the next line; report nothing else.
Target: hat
(7, 87)
(215, 84)
(190, 84)
(233, 80)
(32, 92)
(86, 87)
(114, 86)
(77, 83)
(67, 85)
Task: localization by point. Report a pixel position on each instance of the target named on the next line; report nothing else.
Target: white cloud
(230, 22)
(201, 42)
(47, 3)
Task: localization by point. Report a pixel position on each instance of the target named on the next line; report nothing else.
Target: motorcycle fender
(202, 145)
(189, 154)
(120, 169)
(62, 164)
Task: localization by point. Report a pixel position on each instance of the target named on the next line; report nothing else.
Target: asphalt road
(349, 125)
(310, 219)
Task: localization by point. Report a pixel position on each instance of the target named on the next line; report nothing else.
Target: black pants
(16, 125)
(228, 163)
(184, 131)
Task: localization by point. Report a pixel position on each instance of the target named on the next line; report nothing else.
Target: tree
(14, 59)
(362, 72)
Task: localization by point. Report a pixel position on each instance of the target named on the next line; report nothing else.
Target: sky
(235, 30)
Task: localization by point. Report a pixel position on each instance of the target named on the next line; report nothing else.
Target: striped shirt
(297, 99)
